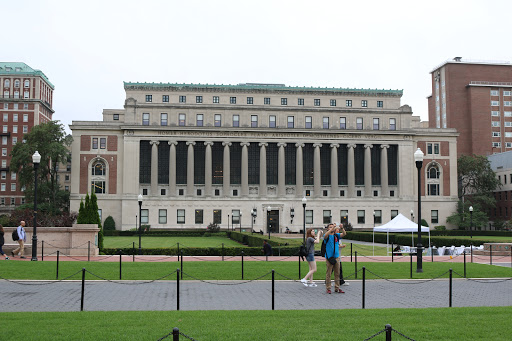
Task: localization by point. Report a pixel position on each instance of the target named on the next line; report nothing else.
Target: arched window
(7, 83)
(98, 177)
(433, 179)
(433, 172)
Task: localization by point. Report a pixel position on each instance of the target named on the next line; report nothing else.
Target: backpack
(15, 236)
(324, 245)
(303, 251)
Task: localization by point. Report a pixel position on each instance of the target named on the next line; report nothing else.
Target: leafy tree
(462, 217)
(50, 140)
(89, 215)
(109, 224)
(81, 213)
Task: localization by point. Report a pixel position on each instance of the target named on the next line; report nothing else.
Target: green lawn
(489, 239)
(485, 323)
(231, 270)
(161, 242)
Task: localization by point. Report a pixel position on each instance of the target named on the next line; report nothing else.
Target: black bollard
(464, 263)
(242, 265)
(490, 250)
(388, 332)
(133, 252)
(120, 265)
(58, 253)
(355, 256)
(179, 252)
(431, 254)
(273, 289)
(392, 253)
(178, 289)
(175, 334)
(89, 251)
(299, 268)
(364, 286)
(410, 254)
(182, 264)
(350, 252)
(451, 277)
(223, 252)
(471, 247)
(42, 250)
(83, 290)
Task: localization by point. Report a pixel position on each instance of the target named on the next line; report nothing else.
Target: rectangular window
(380, 104)
(377, 217)
(343, 216)
(25, 117)
(309, 122)
(359, 123)
(360, 217)
(309, 216)
(199, 217)
(254, 121)
(27, 84)
(272, 121)
(145, 119)
(6, 117)
(333, 102)
(4, 140)
(165, 98)
(2, 187)
(14, 140)
(496, 144)
(392, 124)
(235, 216)
(183, 99)
(217, 120)
(199, 99)
(250, 100)
(217, 216)
(507, 103)
(495, 103)
(115, 117)
(348, 103)
(181, 120)
(4, 151)
(394, 213)
(494, 93)
(14, 117)
(103, 143)
(180, 216)
(327, 218)
(98, 186)
(232, 100)
(163, 119)
(433, 189)
(25, 94)
(507, 113)
(343, 123)
(434, 217)
(496, 134)
(144, 216)
(506, 93)
(94, 143)
(507, 124)
(325, 122)
(508, 144)
(497, 123)
(25, 106)
(364, 103)
(236, 121)
(162, 216)
(300, 101)
(4, 129)
(495, 113)
(199, 120)
(149, 98)
(284, 101)
(216, 99)
(3, 175)
(290, 122)
(266, 100)
(317, 102)
(376, 124)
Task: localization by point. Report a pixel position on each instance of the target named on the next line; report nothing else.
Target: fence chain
(48, 281)
(188, 337)
(402, 335)
(129, 283)
(374, 335)
(490, 281)
(244, 282)
(399, 282)
(291, 279)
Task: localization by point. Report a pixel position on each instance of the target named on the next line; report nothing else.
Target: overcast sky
(88, 48)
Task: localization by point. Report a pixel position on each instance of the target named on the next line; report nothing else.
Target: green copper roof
(20, 69)
(258, 86)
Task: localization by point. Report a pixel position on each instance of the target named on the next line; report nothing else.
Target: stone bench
(7, 248)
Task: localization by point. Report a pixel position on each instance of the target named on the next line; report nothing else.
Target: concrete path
(253, 295)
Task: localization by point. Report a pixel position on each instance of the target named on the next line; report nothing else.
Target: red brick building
(475, 98)
(26, 99)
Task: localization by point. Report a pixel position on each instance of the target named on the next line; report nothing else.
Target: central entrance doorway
(273, 221)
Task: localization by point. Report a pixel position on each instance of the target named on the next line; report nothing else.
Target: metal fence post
(175, 334)
(89, 251)
(392, 253)
(299, 268)
(179, 252)
(178, 289)
(242, 265)
(350, 252)
(120, 265)
(181, 264)
(388, 332)
(223, 252)
(471, 252)
(83, 290)
(451, 284)
(273, 289)
(355, 263)
(410, 255)
(364, 286)
(42, 250)
(490, 249)
(464, 263)
(133, 250)
(58, 253)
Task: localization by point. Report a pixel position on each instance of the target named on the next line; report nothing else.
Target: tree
(88, 214)
(477, 181)
(50, 140)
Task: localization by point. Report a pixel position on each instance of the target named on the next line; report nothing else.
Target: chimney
(457, 59)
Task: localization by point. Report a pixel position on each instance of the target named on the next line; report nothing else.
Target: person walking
(267, 248)
(332, 257)
(22, 238)
(310, 247)
(2, 242)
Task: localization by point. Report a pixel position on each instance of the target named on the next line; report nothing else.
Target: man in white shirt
(22, 238)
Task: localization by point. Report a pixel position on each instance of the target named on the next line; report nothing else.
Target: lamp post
(228, 222)
(304, 200)
(412, 215)
(253, 218)
(140, 222)
(240, 221)
(36, 159)
(471, 223)
(268, 220)
(418, 158)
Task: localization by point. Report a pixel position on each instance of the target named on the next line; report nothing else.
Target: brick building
(222, 153)
(474, 97)
(26, 99)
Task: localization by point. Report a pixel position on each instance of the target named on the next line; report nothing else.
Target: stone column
(172, 168)
(154, 167)
(190, 168)
(208, 169)
(384, 170)
(317, 176)
(226, 171)
(334, 170)
(351, 174)
(281, 189)
(368, 170)
(245, 169)
(263, 169)
(299, 171)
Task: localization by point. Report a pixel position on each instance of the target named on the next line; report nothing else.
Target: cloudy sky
(88, 48)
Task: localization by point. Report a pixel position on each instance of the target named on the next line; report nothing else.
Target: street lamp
(418, 158)
(240, 221)
(268, 220)
(36, 159)
(471, 223)
(412, 215)
(140, 222)
(304, 200)
(253, 215)
(228, 222)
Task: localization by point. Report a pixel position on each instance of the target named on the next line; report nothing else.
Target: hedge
(205, 251)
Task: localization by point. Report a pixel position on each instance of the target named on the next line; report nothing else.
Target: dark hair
(1, 228)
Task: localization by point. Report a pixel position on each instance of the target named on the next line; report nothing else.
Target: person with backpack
(310, 257)
(332, 257)
(22, 238)
(2, 242)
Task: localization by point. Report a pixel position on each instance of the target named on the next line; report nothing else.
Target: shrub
(213, 228)
(109, 224)
(424, 222)
(440, 228)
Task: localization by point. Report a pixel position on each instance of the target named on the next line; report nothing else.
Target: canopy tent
(400, 223)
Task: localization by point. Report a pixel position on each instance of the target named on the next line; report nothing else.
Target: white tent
(400, 223)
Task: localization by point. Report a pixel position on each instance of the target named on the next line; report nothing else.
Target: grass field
(161, 242)
(485, 323)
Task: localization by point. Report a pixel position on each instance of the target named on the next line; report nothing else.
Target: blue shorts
(310, 257)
